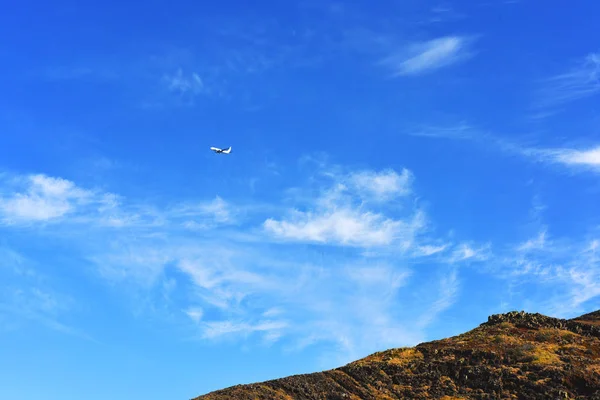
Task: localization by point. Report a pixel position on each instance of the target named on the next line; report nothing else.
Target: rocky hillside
(512, 356)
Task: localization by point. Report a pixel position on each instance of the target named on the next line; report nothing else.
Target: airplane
(218, 150)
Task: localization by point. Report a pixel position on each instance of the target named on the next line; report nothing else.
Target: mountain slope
(515, 355)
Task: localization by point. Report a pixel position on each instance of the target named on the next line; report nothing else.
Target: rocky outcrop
(516, 355)
(583, 325)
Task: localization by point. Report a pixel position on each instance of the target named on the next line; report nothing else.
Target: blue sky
(399, 172)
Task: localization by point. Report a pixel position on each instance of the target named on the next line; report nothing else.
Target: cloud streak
(583, 80)
(26, 294)
(576, 159)
(588, 158)
(424, 57)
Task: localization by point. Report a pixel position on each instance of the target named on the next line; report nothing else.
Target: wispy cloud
(38, 198)
(461, 131)
(428, 250)
(448, 289)
(442, 13)
(558, 275)
(204, 215)
(13, 261)
(581, 159)
(465, 252)
(194, 313)
(260, 278)
(34, 199)
(249, 283)
(26, 294)
(184, 84)
(577, 274)
(224, 328)
(427, 56)
(588, 158)
(40, 306)
(536, 243)
(581, 81)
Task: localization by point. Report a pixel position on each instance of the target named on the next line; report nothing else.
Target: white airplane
(218, 150)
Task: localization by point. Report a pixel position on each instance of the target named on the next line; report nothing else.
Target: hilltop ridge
(515, 355)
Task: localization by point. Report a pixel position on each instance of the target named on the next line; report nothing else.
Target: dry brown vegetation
(511, 356)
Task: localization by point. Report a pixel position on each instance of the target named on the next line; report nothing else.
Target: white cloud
(218, 208)
(378, 276)
(44, 199)
(27, 293)
(590, 157)
(535, 243)
(340, 216)
(572, 158)
(574, 282)
(428, 56)
(36, 199)
(428, 250)
(119, 260)
(581, 81)
(272, 312)
(587, 283)
(559, 276)
(448, 289)
(459, 131)
(345, 227)
(466, 252)
(195, 314)
(382, 185)
(204, 215)
(184, 84)
(223, 328)
(223, 277)
(13, 261)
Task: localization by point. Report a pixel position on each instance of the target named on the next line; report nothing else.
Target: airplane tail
(227, 150)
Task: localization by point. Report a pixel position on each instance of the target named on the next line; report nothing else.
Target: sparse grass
(506, 340)
(400, 356)
(545, 355)
(572, 349)
(541, 354)
(405, 356)
(505, 325)
(546, 335)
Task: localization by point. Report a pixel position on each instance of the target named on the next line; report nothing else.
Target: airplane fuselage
(218, 150)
